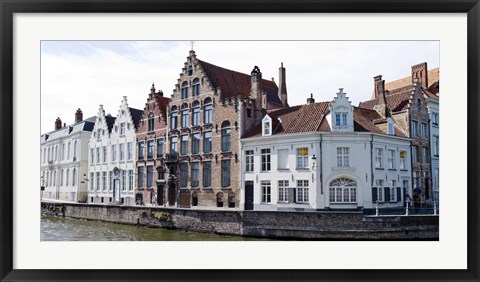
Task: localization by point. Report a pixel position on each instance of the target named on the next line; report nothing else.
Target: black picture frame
(9, 7)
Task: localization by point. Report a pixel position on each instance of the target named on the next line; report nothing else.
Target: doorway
(248, 195)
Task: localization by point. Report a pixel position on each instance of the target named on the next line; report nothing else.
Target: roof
(233, 83)
(395, 102)
(433, 76)
(110, 122)
(163, 104)
(136, 116)
(84, 125)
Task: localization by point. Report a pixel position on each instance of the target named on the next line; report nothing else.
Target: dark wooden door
(160, 194)
(248, 195)
(172, 191)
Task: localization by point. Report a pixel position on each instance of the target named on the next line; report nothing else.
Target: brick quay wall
(321, 225)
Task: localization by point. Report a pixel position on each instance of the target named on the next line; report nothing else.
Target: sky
(86, 74)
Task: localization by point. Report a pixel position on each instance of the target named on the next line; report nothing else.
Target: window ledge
(227, 188)
(392, 169)
(283, 169)
(303, 168)
(379, 168)
(403, 169)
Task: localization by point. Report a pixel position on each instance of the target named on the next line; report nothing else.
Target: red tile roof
(233, 83)
(396, 102)
(433, 76)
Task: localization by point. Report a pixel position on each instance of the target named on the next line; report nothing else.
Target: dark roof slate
(136, 116)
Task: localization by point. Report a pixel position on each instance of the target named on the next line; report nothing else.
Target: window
(98, 134)
(423, 129)
(123, 175)
(226, 135)
(195, 174)
(129, 151)
(141, 150)
(122, 129)
(183, 175)
(110, 173)
(379, 189)
(207, 111)
(435, 119)
(122, 151)
(173, 118)
(130, 179)
(435, 179)
(392, 191)
(405, 185)
(151, 122)
(391, 159)
(414, 128)
(282, 159)
(196, 87)
(415, 154)
(341, 119)
(54, 177)
(249, 113)
(207, 142)
(160, 143)
(416, 179)
(249, 161)
(104, 153)
(63, 153)
(184, 113)
(98, 155)
(184, 145)
(226, 173)
(173, 146)
(343, 156)
(265, 154)
(74, 149)
(378, 157)
(104, 180)
(91, 180)
(403, 160)
(66, 180)
(302, 157)
(74, 177)
(190, 71)
(343, 190)
(196, 143)
(283, 190)
(196, 113)
(425, 156)
(150, 148)
(184, 90)
(391, 127)
(266, 191)
(68, 151)
(97, 180)
(302, 191)
(140, 176)
(61, 177)
(207, 174)
(419, 104)
(114, 153)
(266, 127)
(436, 145)
(149, 176)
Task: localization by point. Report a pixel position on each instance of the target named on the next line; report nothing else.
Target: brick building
(152, 173)
(413, 102)
(211, 107)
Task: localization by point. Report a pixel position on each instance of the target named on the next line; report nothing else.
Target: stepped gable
(233, 83)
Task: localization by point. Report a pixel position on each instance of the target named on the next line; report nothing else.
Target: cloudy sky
(85, 74)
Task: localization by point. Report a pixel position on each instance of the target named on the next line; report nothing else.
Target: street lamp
(116, 190)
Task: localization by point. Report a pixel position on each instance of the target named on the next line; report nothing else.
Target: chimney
(282, 86)
(376, 80)
(256, 87)
(420, 72)
(78, 116)
(58, 123)
(381, 103)
(310, 100)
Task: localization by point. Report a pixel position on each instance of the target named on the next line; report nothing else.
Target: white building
(64, 158)
(327, 155)
(112, 156)
(434, 117)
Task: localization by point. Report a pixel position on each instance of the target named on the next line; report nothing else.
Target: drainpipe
(321, 165)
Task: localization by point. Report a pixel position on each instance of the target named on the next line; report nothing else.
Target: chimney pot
(58, 123)
(78, 116)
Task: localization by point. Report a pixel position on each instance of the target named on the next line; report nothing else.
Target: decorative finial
(191, 42)
(311, 95)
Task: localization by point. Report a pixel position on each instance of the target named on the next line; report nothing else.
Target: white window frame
(343, 156)
(266, 192)
(303, 191)
(249, 161)
(340, 189)
(283, 187)
(302, 160)
(378, 157)
(393, 190)
(266, 159)
(391, 159)
(380, 190)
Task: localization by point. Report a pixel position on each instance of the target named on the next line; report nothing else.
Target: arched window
(231, 200)
(343, 190)
(220, 199)
(173, 117)
(151, 122)
(48, 154)
(75, 149)
(185, 90)
(226, 137)
(56, 151)
(74, 177)
(61, 177)
(184, 113)
(66, 181)
(68, 150)
(207, 111)
(195, 113)
(196, 87)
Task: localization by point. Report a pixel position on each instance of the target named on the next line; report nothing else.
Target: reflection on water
(68, 229)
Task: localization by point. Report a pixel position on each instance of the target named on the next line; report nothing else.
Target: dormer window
(267, 126)
(390, 127)
(341, 119)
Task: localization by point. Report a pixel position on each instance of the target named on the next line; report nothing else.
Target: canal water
(68, 229)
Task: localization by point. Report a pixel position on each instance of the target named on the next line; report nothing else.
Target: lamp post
(42, 187)
(314, 160)
(116, 189)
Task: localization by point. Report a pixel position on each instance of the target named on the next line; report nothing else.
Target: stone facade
(151, 145)
(64, 159)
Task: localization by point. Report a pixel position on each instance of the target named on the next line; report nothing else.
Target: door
(160, 195)
(248, 195)
(172, 191)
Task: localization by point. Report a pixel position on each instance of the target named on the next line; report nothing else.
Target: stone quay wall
(320, 225)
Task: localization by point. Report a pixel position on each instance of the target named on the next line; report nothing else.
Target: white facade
(434, 116)
(112, 158)
(64, 160)
(335, 169)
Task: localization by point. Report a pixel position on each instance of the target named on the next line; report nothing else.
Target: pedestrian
(408, 200)
(154, 200)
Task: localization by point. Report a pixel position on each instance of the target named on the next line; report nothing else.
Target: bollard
(406, 210)
(376, 209)
(434, 208)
